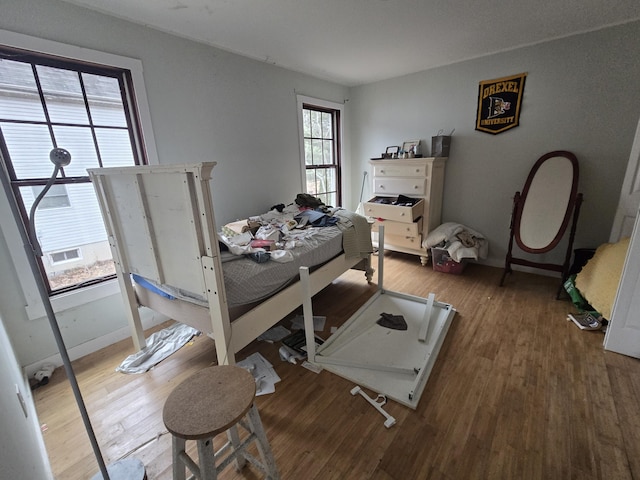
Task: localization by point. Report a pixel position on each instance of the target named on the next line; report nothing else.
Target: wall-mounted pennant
(499, 103)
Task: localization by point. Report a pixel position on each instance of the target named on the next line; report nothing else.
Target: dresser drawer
(393, 212)
(398, 228)
(394, 185)
(389, 170)
(401, 241)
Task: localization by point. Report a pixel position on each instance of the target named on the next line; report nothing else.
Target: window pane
(316, 124)
(316, 151)
(56, 197)
(62, 229)
(19, 99)
(306, 123)
(115, 147)
(78, 227)
(311, 181)
(63, 95)
(327, 152)
(65, 256)
(79, 142)
(29, 147)
(66, 274)
(327, 130)
(105, 100)
(327, 199)
(331, 180)
(308, 156)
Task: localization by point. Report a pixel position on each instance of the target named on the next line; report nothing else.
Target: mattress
(247, 281)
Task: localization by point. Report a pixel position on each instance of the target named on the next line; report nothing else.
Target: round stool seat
(209, 402)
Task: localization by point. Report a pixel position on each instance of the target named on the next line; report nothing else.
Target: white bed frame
(160, 225)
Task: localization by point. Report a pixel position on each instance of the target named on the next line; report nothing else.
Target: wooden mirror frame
(540, 186)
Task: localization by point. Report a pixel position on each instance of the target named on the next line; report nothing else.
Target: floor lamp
(128, 469)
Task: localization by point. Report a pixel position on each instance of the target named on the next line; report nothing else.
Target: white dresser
(405, 227)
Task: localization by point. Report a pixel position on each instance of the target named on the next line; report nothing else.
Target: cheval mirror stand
(541, 214)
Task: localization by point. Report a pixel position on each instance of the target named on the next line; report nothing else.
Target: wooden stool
(212, 401)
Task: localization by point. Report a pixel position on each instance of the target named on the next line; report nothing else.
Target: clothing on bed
(258, 274)
(315, 218)
(356, 234)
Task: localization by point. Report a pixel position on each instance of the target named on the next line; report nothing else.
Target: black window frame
(336, 150)
(133, 126)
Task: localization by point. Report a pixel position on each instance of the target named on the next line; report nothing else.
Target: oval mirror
(547, 202)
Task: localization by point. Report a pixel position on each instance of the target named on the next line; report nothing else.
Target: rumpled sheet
(460, 241)
(247, 281)
(160, 345)
(356, 232)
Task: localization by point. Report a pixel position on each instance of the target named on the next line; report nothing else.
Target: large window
(321, 145)
(48, 102)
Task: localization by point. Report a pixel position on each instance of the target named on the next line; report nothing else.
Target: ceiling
(354, 42)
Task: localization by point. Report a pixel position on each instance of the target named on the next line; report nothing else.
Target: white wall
(22, 452)
(582, 94)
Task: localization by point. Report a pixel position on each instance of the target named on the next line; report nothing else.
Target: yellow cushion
(598, 280)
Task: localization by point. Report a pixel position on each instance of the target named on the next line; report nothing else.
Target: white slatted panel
(171, 203)
(153, 214)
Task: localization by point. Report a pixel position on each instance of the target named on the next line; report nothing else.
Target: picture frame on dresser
(409, 145)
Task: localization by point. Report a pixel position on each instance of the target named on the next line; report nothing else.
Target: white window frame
(34, 307)
(302, 100)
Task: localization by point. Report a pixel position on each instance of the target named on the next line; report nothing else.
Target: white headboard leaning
(161, 226)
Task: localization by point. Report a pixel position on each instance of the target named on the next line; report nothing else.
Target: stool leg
(206, 459)
(234, 439)
(262, 443)
(179, 468)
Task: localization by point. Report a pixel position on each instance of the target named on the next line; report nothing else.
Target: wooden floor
(517, 392)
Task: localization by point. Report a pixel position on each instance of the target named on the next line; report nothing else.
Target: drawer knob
(381, 186)
(381, 171)
(415, 187)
